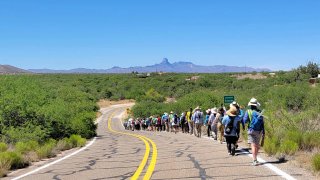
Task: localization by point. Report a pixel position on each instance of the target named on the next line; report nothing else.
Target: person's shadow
(245, 151)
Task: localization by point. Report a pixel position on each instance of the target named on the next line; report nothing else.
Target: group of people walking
(221, 124)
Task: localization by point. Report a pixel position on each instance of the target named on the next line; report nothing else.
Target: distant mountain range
(7, 69)
(164, 66)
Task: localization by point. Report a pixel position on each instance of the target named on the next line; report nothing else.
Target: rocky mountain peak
(165, 61)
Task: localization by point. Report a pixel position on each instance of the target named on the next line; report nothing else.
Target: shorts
(254, 137)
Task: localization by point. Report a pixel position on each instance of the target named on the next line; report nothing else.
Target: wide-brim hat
(214, 110)
(232, 111)
(171, 112)
(234, 103)
(253, 102)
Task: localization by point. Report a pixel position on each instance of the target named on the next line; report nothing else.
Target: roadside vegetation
(41, 115)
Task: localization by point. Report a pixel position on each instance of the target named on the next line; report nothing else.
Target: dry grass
(5, 165)
(250, 76)
(31, 157)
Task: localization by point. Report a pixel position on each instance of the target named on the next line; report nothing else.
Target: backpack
(229, 126)
(256, 120)
(175, 120)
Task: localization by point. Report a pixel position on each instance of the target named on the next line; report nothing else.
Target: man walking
(207, 122)
(198, 120)
(214, 127)
(256, 127)
(230, 122)
(190, 121)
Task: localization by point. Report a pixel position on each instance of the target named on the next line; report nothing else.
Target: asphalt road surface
(121, 154)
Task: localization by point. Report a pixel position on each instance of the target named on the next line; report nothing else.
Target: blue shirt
(226, 119)
(207, 119)
(246, 119)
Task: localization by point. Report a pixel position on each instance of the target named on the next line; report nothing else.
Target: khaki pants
(167, 126)
(191, 127)
(221, 132)
(198, 129)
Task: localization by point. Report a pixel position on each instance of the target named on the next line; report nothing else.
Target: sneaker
(255, 163)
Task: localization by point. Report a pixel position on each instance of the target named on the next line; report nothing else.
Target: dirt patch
(106, 103)
(170, 100)
(250, 76)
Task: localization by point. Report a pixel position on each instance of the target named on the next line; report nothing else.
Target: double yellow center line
(144, 161)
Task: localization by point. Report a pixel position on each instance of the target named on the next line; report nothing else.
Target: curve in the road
(144, 161)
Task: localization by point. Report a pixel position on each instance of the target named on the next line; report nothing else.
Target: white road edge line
(56, 161)
(270, 166)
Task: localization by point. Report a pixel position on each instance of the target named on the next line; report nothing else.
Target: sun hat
(234, 103)
(214, 110)
(253, 102)
(171, 112)
(232, 111)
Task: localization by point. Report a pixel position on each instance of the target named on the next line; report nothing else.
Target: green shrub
(288, 147)
(310, 140)
(295, 136)
(316, 162)
(77, 141)
(14, 159)
(3, 147)
(63, 144)
(47, 149)
(271, 146)
(5, 164)
(25, 147)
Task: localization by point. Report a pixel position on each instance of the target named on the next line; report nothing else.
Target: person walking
(198, 120)
(256, 130)
(171, 118)
(218, 121)
(190, 122)
(164, 120)
(159, 123)
(214, 127)
(230, 122)
(207, 122)
(240, 114)
(183, 122)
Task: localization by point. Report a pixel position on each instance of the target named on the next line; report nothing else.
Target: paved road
(117, 153)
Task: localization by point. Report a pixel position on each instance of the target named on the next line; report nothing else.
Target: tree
(312, 68)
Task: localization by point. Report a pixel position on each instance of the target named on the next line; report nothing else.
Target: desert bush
(3, 147)
(316, 162)
(46, 150)
(77, 141)
(5, 164)
(310, 140)
(15, 159)
(25, 147)
(295, 136)
(63, 144)
(271, 146)
(288, 147)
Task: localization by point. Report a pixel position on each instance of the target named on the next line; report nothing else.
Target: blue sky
(59, 34)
